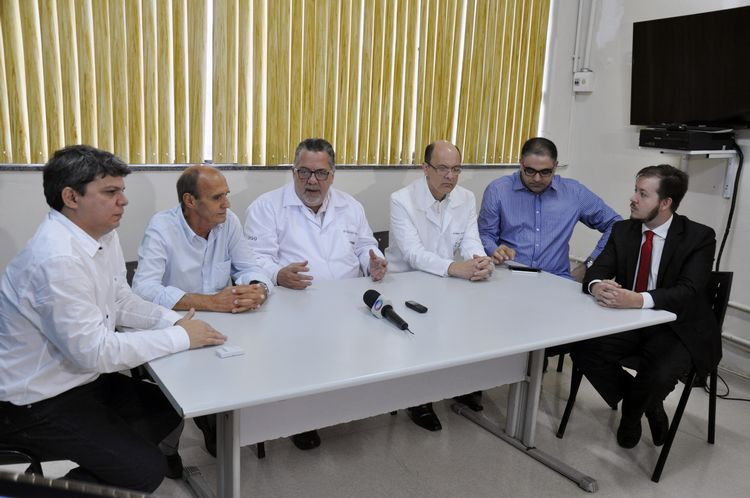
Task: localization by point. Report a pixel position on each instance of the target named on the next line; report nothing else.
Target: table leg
(534, 392)
(228, 453)
(523, 404)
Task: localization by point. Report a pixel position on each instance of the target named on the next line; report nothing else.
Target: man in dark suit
(662, 260)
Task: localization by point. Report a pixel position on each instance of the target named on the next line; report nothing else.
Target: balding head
(188, 181)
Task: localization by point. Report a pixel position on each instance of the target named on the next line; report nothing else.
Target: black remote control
(416, 306)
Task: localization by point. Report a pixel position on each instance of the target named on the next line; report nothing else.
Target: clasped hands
(474, 269)
(240, 298)
(610, 294)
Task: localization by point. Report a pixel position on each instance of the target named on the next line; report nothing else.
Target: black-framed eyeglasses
(305, 173)
(443, 170)
(544, 173)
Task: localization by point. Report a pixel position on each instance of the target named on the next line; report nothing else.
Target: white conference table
(317, 357)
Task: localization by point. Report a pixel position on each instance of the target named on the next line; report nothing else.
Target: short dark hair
(76, 166)
(187, 183)
(316, 145)
(673, 183)
(539, 146)
(430, 149)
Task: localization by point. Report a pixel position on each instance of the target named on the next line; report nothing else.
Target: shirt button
(537, 229)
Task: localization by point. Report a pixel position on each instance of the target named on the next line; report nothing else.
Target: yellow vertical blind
(124, 75)
(380, 79)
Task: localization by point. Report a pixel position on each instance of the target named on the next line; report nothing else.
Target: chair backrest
(130, 268)
(719, 286)
(382, 238)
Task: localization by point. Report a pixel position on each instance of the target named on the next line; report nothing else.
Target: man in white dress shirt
(61, 299)
(307, 231)
(432, 219)
(189, 252)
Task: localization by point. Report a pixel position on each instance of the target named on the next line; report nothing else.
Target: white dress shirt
(657, 247)
(61, 298)
(426, 234)
(173, 260)
(282, 230)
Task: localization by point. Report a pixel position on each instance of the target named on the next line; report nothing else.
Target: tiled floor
(389, 456)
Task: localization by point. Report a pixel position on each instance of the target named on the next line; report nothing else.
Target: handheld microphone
(382, 308)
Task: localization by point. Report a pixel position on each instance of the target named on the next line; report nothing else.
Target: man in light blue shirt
(530, 215)
(189, 252)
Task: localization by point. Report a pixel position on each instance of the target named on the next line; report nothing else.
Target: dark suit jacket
(684, 270)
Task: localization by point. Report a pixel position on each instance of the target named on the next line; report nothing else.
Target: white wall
(23, 206)
(602, 148)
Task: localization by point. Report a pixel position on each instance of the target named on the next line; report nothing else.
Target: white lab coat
(421, 239)
(282, 230)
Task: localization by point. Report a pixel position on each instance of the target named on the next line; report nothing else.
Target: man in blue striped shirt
(529, 216)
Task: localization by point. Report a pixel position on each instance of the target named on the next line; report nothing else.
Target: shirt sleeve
(152, 264)
(596, 214)
(260, 229)
(404, 234)
(64, 297)
(245, 265)
(489, 219)
(470, 243)
(648, 301)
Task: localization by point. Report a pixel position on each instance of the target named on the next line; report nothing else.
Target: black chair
(11, 455)
(559, 351)
(382, 238)
(719, 286)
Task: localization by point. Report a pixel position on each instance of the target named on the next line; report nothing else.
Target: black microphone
(382, 308)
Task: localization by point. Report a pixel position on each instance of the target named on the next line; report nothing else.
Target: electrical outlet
(583, 81)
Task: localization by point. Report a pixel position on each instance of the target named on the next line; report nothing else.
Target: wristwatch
(589, 262)
(258, 282)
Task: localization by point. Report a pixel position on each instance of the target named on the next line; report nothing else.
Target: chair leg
(560, 361)
(35, 468)
(673, 426)
(260, 449)
(575, 383)
(712, 406)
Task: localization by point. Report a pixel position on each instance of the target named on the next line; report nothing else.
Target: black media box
(687, 139)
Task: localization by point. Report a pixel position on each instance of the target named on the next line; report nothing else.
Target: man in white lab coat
(307, 231)
(432, 219)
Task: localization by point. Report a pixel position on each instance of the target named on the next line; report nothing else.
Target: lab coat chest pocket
(457, 231)
(456, 239)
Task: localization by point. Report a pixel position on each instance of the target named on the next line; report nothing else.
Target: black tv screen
(692, 70)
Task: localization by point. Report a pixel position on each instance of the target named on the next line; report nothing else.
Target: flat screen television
(692, 70)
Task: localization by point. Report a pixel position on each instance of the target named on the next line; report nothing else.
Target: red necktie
(644, 267)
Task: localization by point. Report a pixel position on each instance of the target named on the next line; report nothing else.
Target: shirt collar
(426, 200)
(187, 230)
(661, 230)
(518, 183)
(88, 243)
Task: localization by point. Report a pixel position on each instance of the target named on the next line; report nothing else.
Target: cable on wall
(732, 205)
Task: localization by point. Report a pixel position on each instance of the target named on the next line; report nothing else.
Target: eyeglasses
(305, 173)
(443, 170)
(531, 172)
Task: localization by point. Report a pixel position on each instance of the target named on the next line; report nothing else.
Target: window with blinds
(165, 81)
